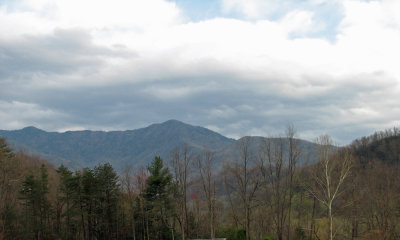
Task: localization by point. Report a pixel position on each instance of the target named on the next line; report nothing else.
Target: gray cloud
(64, 80)
(63, 52)
(235, 106)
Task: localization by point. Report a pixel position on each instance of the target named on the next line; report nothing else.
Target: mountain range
(77, 149)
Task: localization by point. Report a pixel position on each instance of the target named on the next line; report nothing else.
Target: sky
(238, 67)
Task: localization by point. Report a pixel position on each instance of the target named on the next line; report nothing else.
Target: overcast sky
(239, 67)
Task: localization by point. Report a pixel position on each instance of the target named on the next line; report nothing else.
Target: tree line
(263, 193)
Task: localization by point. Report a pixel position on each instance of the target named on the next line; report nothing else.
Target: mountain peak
(88, 148)
(137, 147)
(173, 121)
(31, 129)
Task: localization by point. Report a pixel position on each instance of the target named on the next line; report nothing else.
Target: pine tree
(36, 205)
(66, 191)
(9, 175)
(158, 200)
(107, 197)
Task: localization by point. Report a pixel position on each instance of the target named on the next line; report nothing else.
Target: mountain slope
(382, 146)
(88, 148)
(77, 149)
(308, 150)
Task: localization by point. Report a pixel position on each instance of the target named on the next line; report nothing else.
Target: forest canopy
(349, 193)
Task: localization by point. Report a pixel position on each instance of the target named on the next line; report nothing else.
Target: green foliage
(91, 199)
(158, 199)
(158, 183)
(5, 150)
(106, 194)
(269, 238)
(36, 204)
(231, 233)
(240, 234)
(225, 232)
(300, 234)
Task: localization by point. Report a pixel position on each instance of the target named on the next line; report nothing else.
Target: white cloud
(170, 59)
(221, 112)
(252, 8)
(28, 114)
(297, 22)
(98, 14)
(102, 18)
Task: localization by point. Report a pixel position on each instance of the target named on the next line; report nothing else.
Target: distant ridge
(78, 149)
(88, 148)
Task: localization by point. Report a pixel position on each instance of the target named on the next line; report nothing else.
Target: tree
(140, 182)
(37, 206)
(279, 157)
(107, 196)
(205, 164)
(293, 156)
(65, 197)
(246, 181)
(91, 197)
(10, 178)
(329, 176)
(158, 202)
(181, 159)
(128, 188)
(379, 201)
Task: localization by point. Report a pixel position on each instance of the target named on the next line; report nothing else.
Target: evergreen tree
(158, 200)
(5, 150)
(36, 205)
(107, 198)
(66, 191)
(9, 175)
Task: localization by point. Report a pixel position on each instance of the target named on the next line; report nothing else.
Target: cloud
(126, 64)
(96, 13)
(297, 22)
(320, 17)
(27, 113)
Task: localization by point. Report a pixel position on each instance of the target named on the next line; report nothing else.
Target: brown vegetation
(350, 193)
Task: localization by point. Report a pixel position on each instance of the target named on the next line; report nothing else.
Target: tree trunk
(330, 221)
(312, 219)
(247, 223)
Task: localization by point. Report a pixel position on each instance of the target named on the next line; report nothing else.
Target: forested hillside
(79, 149)
(260, 192)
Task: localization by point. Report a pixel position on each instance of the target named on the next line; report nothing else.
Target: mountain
(308, 152)
(382, 146)
(77, 149)
(88, 148)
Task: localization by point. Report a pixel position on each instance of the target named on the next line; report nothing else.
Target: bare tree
(272, 169)
(246, 180)
(278, 161)
(293, 156)
(329, 176)
(140, 178)
(181, 159)
(205, 164)
(128, 186)
(229, 188)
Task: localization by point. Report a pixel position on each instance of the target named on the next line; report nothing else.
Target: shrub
(240, 234)
(268, 238)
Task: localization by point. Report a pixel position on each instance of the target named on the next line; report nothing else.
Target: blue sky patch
(326, 15)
